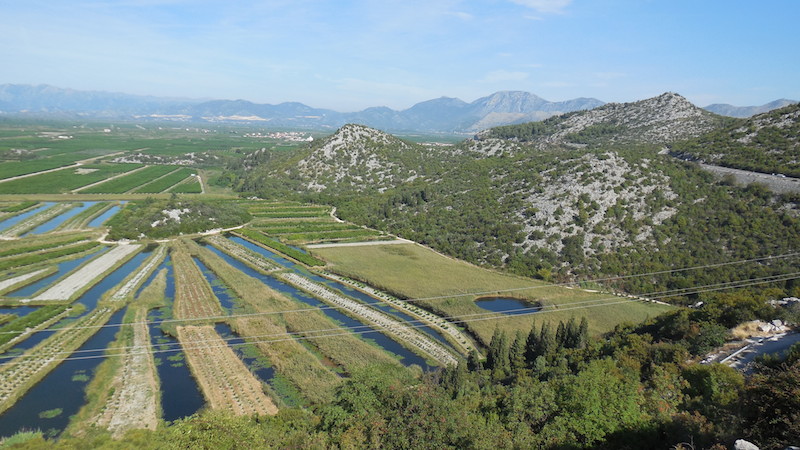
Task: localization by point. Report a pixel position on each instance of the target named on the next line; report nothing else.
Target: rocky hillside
(539, 207)
(359, 159)
(666, 118)
(768, 143)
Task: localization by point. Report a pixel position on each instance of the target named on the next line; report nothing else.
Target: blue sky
(351, 54)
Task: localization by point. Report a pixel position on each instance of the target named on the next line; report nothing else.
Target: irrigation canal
(10, 222)
(405, 356)
(50, 403)
(60, 394)
(56, 221)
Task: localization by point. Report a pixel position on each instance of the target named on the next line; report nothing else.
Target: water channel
(50, 403)
(56, 221)
(101, 219)
(180, 396)
(10, 222)
(63, 268)
(406, 356)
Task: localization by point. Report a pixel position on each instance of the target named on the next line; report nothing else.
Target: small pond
(507, 305)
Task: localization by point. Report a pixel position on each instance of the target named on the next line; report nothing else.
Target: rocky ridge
(666, 118)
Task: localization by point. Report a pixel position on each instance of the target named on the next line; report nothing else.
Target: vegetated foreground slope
(768, 142)
(532, 201)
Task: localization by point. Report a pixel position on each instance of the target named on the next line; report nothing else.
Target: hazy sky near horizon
(350, 54)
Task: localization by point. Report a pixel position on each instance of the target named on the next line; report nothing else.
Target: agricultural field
(447, 286)
(313, 300)
(129, 181)
(64, 180)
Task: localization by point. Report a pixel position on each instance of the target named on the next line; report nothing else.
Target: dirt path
(134, 403)
(66, 288)
(224, 379)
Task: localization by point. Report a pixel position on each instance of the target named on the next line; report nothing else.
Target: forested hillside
(619, 206)
(767, 143)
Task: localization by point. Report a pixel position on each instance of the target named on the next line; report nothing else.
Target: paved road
(775, 183)
(758, 347)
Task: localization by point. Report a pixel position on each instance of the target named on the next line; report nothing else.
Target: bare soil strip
(460, 339)
(24, 371)
(91, 271)
(135, 398)
(194, 298)
(19, 279)
(36, 220)
(414, 338)
(127, 289)
(224, 379)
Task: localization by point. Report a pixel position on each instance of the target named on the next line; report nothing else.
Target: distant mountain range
(445, 114)
(747, 111)
(437, 115)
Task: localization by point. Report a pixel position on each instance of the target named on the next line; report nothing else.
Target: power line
(480, 317)
(440, 297)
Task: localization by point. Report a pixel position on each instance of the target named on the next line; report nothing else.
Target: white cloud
(545, 6)
(504, 75)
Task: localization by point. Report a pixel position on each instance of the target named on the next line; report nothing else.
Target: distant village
(293, 136)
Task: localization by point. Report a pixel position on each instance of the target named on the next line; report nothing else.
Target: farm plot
(20, 328)
(37, 243)
(47, 255)
(82, 219)
(130, 397)
(276, 334)
(64, 180)
(17, 168)
(36, 220)
(455, 335)
(194, 298)
(17, 206)
(127, 289)
(88, 274)
(262, 239)
(410, 271)
(190, 185)
(293, 213)
(127, 182)
(243, 254)
(24, 371)
(13, 281)
(165, 182)
(347, 350)
(224, 379)
(412, 337)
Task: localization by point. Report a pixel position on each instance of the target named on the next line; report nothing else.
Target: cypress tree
(517, 352)
(532, 345)
(547, 340)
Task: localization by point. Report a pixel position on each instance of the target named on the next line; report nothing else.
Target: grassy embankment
(411, 271)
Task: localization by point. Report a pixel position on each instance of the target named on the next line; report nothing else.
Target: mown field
(450, 287)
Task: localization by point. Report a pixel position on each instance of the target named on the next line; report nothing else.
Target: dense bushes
(162, 218)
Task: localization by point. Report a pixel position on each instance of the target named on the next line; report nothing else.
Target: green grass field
(64, 180)
(415, 272)
(128, 182)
